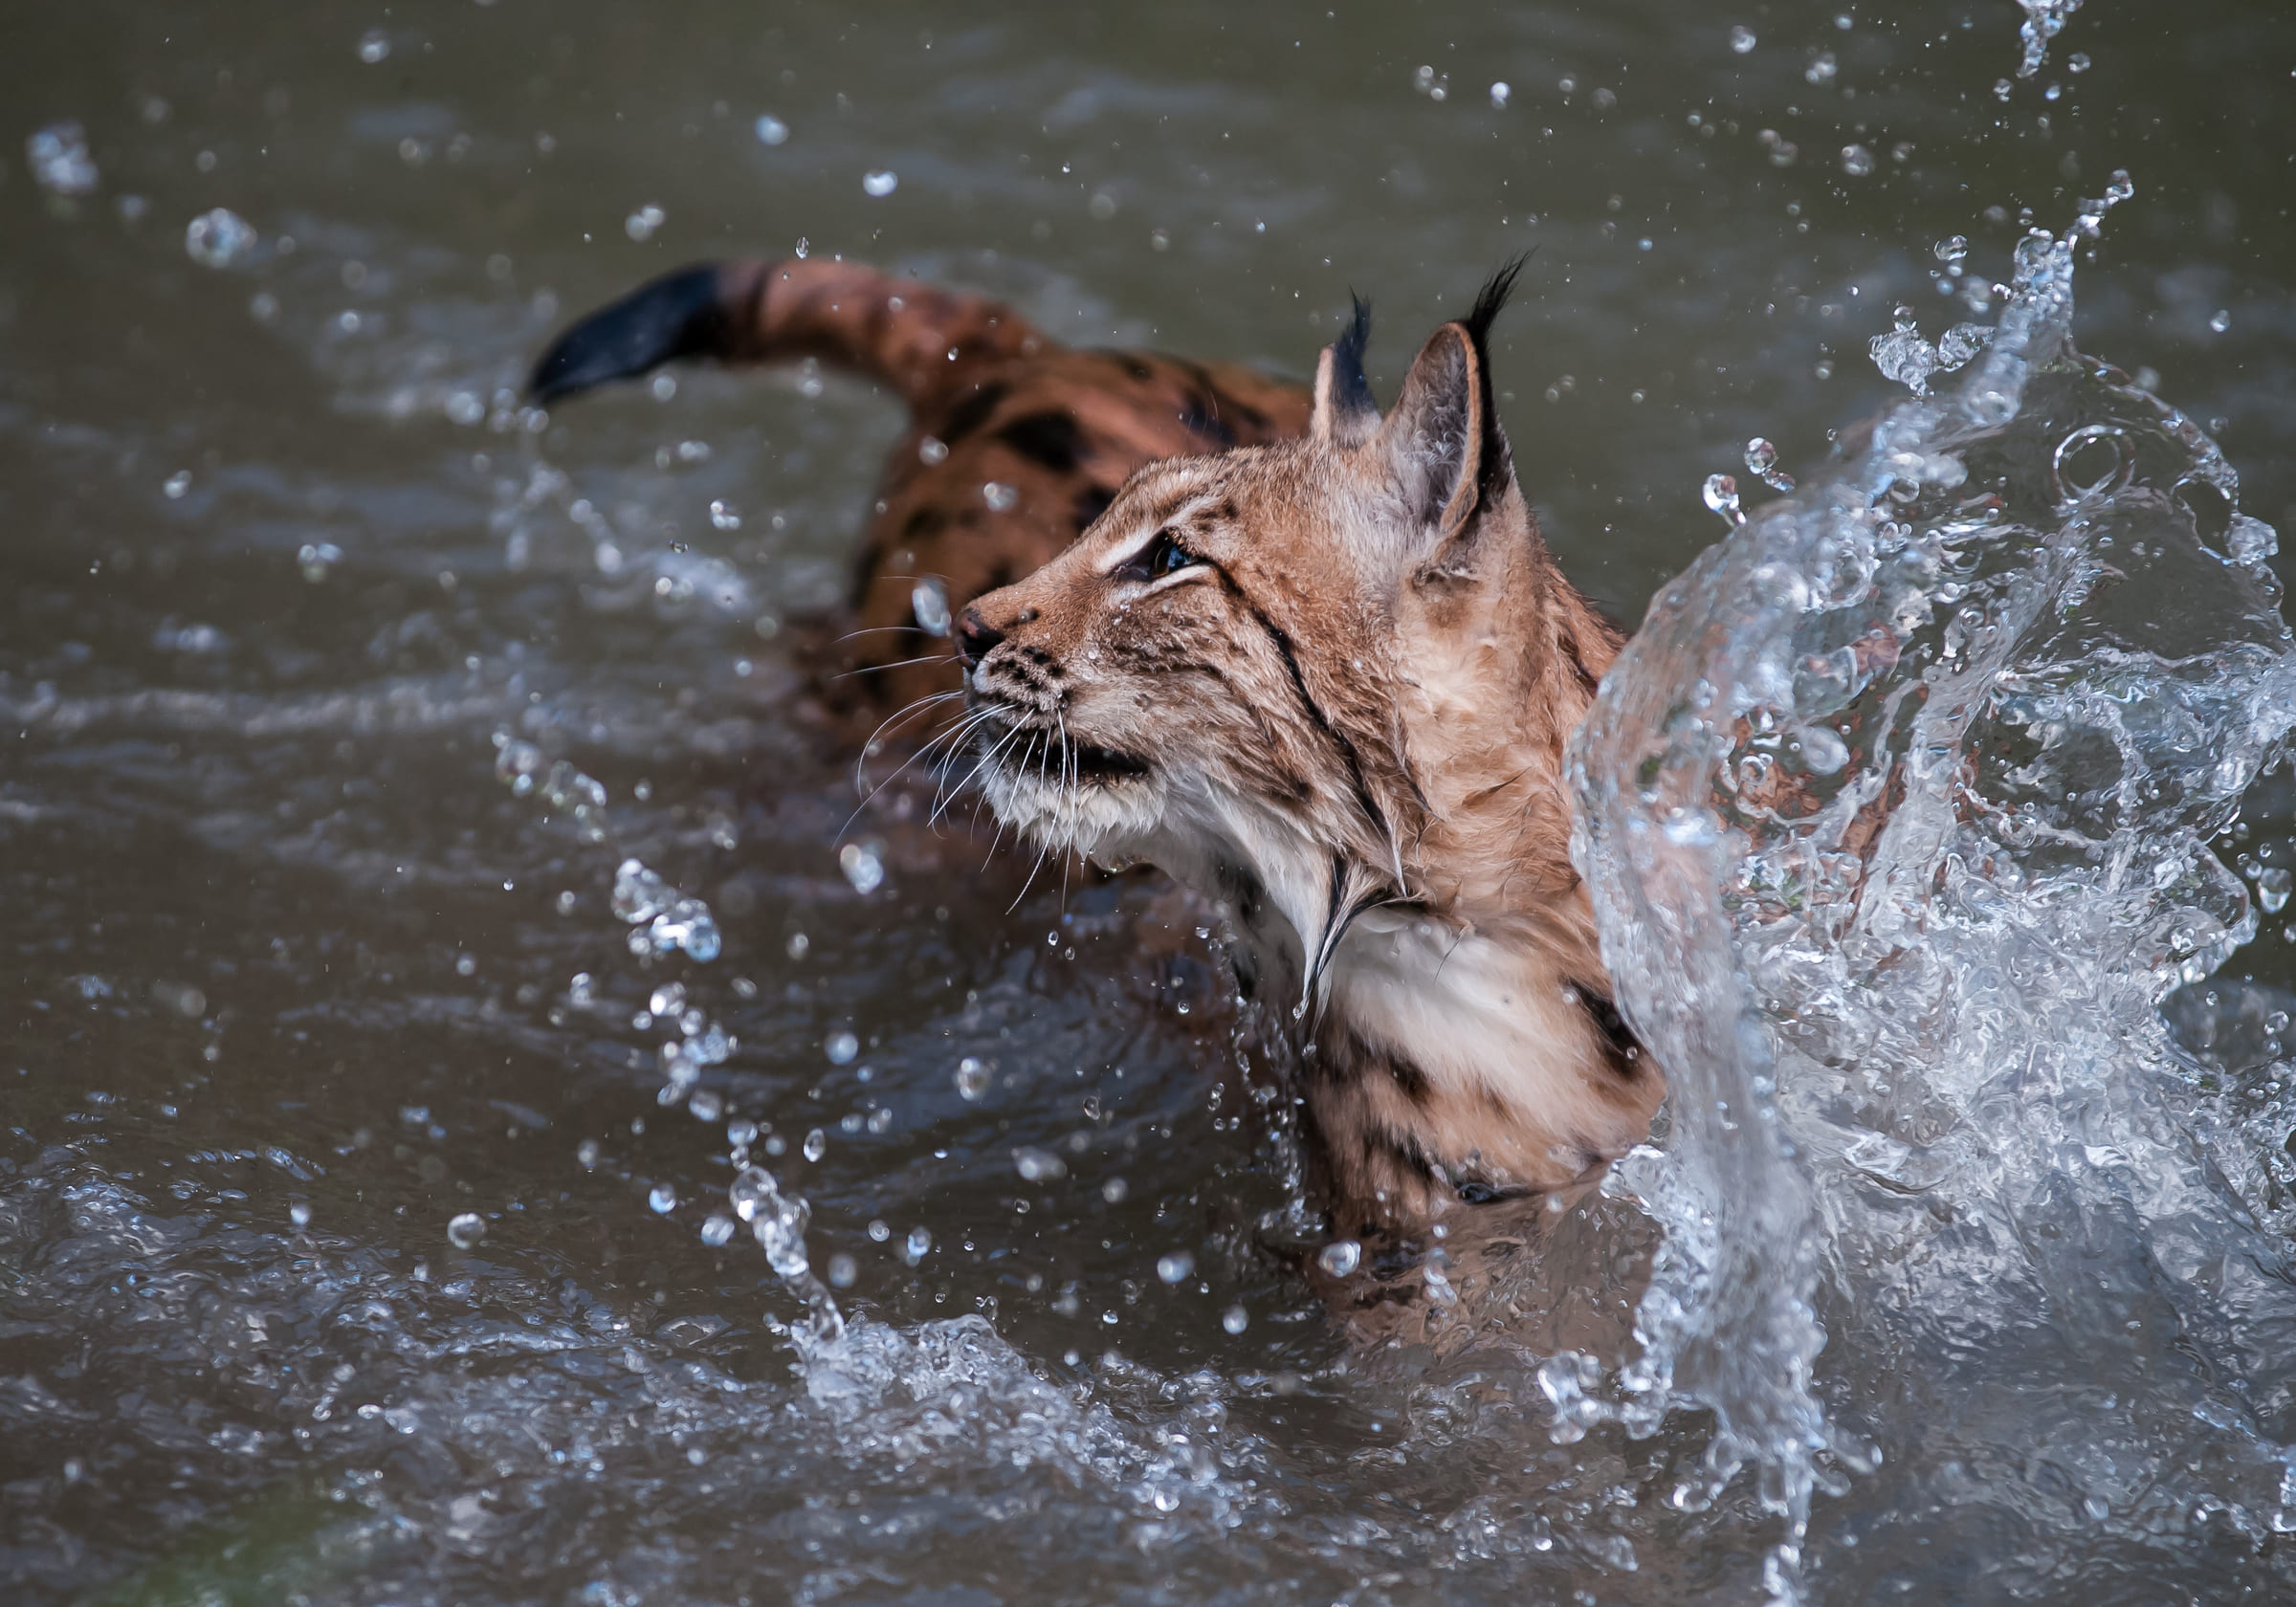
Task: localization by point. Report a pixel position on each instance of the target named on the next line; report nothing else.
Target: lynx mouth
(1056, 757)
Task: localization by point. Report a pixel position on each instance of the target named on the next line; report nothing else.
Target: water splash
(661, 918)
(2045, 20)
(1951, 731)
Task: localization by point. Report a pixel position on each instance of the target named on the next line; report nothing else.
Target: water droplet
(1961, 343)
(706, 1105)
(881, 183)
(2250, 541)
(915, 1246)
(718, 1230)
(1857, 161)
(842, 1270)
(663, 1198)
(1761, 457)
(299, 1213)
(667, 1000)
(724, 515)
(1114, 1190)
(1102, 206)
(772, 130)
(1339, 1257)
(374, 45)
(1822, 69)
(176, 484)
(1904, 356)
(60, 160)
(1499, 92)
(219, 237)
(2221, 320)
(841, 1046)
(816, 1145)
(1174, 1266)
(929, 602)
(1235, 1319)
(1742, 40)
(2273, 885)
(639, 893)
(972, 1078)
(862, 868)
(466, 1230)
(1000, 497)
(1721, 494)
(878, 1232)
(640, 225)
(587, 1152)
(1038, 1166)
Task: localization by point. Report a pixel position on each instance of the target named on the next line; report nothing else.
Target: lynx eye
(1161, 557)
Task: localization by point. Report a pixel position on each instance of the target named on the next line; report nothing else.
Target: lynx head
(1310, 678)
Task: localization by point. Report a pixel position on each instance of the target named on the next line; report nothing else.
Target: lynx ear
(1345, 413)
(1442, 443)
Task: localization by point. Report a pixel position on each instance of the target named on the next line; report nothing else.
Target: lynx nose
(975, 637)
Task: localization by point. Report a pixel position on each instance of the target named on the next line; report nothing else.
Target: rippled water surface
(348, 1251)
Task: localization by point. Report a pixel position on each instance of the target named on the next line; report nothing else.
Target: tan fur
(1343, 718)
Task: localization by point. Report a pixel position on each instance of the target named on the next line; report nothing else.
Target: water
(339, 688)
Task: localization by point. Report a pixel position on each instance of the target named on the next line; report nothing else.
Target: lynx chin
(1327, 683)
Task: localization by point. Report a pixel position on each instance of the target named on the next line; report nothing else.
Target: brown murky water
(294, 973)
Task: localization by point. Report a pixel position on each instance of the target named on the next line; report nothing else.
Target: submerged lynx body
(1317, 664)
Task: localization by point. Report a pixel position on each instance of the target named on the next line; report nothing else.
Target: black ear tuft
(1496, 464)
(1355, 390)
(1345, 415)
(1492, 299)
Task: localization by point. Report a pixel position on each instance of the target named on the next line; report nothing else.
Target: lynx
(1327, 683)
(1317, 664)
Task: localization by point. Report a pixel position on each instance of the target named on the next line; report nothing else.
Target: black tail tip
(679, 315)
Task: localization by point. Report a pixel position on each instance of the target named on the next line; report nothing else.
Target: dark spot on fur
(1618, 1038)
(1410, 1079)
(1242, 889)
(1476, 1192)
(1091, 503)
(971, 413)
(1050, 438)
(927, 521)
(1403, 1148)
(1200, 415)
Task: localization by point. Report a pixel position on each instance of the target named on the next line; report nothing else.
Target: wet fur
(1342, 721)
